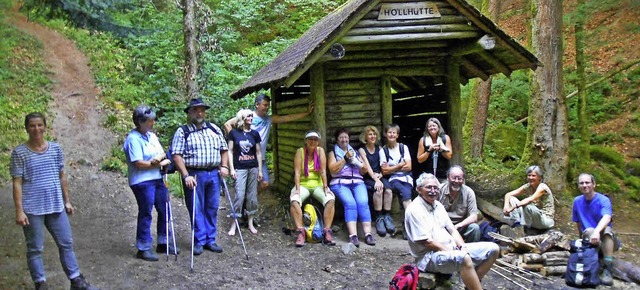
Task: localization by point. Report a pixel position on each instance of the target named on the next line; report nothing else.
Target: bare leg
(483, 268)
(329, 211)
(296, 214)
(377, 201)
(387, 199)
(351, 228)
(366, 227)
(232, 229)
(468, 274)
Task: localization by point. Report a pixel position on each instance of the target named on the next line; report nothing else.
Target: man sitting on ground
(459, 201)
(592, 212)
(435, 243)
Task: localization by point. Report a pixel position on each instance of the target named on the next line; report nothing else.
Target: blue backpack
(583, 266)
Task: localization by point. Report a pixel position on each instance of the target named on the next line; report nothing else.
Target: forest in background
(136, 53)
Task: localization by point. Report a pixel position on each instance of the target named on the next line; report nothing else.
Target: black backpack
(171, 168)
(583, 265)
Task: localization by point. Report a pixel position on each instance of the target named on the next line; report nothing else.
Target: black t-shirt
(244, 148)
(374, 159)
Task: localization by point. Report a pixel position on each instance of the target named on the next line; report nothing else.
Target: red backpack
(406, 278)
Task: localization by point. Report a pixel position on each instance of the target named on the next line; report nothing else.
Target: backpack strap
(386, 151)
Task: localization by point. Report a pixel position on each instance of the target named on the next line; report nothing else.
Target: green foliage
(633, 183)
(510, 98)
(24, 86)
(607, 155)
(504, 144)
(114, 162)
(633, 167)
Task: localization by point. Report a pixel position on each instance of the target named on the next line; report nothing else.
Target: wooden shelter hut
(377, 62)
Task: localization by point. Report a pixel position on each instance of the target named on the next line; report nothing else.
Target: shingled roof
(302, 54)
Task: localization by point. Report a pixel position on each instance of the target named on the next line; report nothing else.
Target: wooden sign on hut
(376, 62)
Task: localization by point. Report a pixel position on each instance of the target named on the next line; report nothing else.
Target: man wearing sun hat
(201, 163)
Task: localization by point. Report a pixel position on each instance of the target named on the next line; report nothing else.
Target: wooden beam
(484, 43)
(454, 112)
(396, 54)
(400, 84)
(473, 69)
(419, 45)
(407, 37)
(387, 102)
(397, 71)
(373, 63)
(396, 23)
(495, 62)
(411, 29)
(318, 96)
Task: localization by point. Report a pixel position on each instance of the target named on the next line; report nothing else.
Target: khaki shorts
(608, 231)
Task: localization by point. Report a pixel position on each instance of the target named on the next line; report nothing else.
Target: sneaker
(369, 240)
(80, 283)
(197, 250)
(380, 228)
(328, 237)
(213, 247)
(162, 248)
(42, 285)
(388, 223)
(605, 277)
(301, 239)
(354, 240)
(147, 255)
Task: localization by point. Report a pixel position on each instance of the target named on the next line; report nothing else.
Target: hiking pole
(233, 213)
(169, 219)
(509, 279)
(435, 162)
(166, 210)
(193, 224)
(512, 273)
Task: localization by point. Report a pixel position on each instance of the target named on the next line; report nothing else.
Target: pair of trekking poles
(193, 221)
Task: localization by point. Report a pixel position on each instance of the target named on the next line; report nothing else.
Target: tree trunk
(583, 119)
(191, 56)
(477, 112)
(547, 138)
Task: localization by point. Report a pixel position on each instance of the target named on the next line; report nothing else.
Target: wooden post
(317, 96)
(453, 111)
(386, 103)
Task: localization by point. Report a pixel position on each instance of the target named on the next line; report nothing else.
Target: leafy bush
(633, 183)
(633, 167)
(607, 155)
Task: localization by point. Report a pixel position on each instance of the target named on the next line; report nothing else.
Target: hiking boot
(80, 283)
(197, 250)
(369, 240)
(380, 227)
(162, 248)
(388, 223)
(147, 255)
(354, 240)
(605, 277)
(213, 247)
(328, 237)
(301, 239)
(42, 285)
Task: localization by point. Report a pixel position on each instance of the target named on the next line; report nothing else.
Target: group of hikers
(440, 224)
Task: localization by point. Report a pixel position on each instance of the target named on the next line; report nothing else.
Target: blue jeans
(207, 201)
(58, 226)
(355, 199)
(149, 194)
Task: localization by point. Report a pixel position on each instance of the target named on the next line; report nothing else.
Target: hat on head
(196, 103)
(312, 134)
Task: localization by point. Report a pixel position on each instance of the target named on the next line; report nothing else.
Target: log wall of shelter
(288, 137)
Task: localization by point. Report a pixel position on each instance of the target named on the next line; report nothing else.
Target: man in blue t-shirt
(262, 123)
(592, 212)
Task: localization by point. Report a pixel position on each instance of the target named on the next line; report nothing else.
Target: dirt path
(104, 223)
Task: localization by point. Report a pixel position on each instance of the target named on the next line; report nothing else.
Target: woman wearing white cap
(310, 175)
